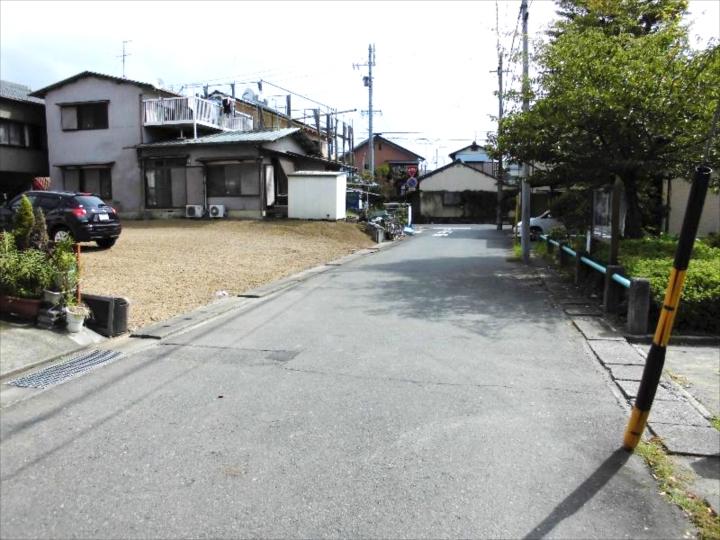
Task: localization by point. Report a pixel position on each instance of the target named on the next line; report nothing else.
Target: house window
(235, 180)
(80, 116)
(96, 180)
(166, 183)
(19, 134)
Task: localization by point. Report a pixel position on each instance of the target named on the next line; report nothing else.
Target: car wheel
(106, 243)
(535, 233)
(61, 234)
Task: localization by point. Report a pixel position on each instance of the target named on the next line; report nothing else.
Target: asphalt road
(427, 390)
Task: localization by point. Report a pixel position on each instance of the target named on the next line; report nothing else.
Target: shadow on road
(582, 494)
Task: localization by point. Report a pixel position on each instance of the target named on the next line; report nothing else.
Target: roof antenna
(123, 55)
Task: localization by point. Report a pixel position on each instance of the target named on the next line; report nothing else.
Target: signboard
(411, 182)
(411, 170)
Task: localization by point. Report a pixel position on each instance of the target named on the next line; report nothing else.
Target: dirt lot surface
(168, 267)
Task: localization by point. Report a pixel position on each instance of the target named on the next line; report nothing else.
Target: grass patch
(715, 421)
(673, 482)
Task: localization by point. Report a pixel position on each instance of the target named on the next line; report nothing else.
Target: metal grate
(61, 372)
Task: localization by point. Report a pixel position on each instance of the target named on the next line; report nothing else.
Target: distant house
(476, 156)
(142, 148)
(401, 163)
(388, 153)
(23, 148)
(457, 192)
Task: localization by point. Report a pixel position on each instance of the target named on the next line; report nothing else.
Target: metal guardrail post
(613, 293)
(638, 306)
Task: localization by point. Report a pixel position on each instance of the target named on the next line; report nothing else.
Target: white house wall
(115, 144)
(458, 178)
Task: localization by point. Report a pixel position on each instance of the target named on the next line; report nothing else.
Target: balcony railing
(190, 110)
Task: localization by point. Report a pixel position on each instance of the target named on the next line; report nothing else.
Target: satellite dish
(249, 95)
(160, 83)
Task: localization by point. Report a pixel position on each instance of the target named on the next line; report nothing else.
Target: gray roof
(17, 92)
(43, 91)
(228, 137)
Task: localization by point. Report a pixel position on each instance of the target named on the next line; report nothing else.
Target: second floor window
(80, 116)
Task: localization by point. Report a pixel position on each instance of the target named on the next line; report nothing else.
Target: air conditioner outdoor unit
(193, 211)
(216, 210)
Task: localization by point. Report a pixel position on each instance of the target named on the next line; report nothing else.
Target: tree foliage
(621, 93)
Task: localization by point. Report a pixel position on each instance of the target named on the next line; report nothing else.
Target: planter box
(24, 308)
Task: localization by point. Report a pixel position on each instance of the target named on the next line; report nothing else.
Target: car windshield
(89, 201)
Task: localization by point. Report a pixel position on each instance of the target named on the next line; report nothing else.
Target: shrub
(23, 222)
(39, 238)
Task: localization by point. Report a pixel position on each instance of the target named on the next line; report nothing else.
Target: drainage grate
(61, 372)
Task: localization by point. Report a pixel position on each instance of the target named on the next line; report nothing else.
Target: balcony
(192, 111)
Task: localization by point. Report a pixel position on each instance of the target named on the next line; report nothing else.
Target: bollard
(613, 292)
(656, 356)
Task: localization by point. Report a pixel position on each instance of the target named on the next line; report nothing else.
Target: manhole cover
(61, 372)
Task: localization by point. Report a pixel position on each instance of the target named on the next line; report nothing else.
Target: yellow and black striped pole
(656, 356)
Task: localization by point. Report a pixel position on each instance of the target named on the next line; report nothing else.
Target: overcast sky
(433, 59)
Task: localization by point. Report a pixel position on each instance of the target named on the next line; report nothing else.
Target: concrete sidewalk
(24, 346)
(689, 394)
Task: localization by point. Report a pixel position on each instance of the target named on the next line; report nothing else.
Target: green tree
(628, 99)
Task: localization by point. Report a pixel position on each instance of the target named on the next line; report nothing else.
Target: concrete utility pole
(369, 83)
(499, 217)
(371, 63)
(525, 238)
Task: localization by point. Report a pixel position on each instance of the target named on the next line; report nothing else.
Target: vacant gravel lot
(167, 267)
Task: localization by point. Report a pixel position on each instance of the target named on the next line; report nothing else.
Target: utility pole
(371, 141)
(368, 81)
(525, 238)
(123, 55)
(498, 216)
(499, 173)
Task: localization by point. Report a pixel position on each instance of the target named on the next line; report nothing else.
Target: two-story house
(23, 149)
(152, 152)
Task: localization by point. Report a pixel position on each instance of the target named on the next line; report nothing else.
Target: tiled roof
(228, 137)
(17, 92)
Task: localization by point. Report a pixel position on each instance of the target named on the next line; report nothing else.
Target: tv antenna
(123, 55)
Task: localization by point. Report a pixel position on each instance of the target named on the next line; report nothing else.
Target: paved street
(427, 390)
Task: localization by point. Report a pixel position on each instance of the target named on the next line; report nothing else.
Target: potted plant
(24, 274)
(75, 315)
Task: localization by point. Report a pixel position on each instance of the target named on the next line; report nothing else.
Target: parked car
(542, 224)
(82, 216)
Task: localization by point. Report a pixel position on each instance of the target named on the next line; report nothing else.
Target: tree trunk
(633, 218)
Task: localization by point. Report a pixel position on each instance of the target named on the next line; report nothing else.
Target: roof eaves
(42, 92)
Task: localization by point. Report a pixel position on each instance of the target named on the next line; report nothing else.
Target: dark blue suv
(82, 216)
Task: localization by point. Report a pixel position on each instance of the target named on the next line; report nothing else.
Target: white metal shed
(317, 195)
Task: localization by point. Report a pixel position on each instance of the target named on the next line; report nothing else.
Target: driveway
(425, 391)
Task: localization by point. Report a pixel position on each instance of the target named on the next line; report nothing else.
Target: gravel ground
(168, 267)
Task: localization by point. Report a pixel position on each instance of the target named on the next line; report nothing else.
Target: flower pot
(52, 297)
(25, 308)
(74, 321)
